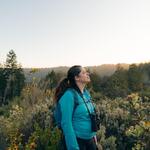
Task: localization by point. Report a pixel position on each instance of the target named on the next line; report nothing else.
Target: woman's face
(83, 76)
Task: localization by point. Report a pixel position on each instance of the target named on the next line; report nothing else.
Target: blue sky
(49, 33)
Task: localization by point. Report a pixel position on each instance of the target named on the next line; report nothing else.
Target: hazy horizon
(86, 65)
(47, 34)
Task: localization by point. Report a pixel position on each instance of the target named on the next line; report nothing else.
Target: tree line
(121, 83)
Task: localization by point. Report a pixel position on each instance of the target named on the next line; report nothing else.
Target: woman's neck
(81, 86)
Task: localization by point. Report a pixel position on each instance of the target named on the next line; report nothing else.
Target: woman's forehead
(83, 69)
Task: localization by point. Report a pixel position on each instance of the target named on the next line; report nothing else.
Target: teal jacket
(75, 122)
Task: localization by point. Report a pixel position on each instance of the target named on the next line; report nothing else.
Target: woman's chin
(88, 80)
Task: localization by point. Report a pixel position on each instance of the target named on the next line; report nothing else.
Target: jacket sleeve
(67, 106)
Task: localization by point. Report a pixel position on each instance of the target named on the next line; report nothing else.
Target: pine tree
(14, 77)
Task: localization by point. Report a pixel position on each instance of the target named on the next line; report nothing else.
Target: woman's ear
(76, 78)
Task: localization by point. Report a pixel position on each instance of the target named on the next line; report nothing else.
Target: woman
(76, 121)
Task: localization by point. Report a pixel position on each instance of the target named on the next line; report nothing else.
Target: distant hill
(102, 70)
(106, 69)
(40, 73)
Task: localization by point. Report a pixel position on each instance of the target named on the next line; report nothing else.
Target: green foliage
(46, 139)
(124, 122)
(3, 82)
(117, 84)
(123, 82)
(11, 61)
(95, 81)
(52, 79)
(26, 122)
(11, 78)
(127, 120)
(135, 78)
(106, 143)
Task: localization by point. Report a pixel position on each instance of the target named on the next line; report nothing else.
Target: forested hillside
(121, 95)
(102, 70)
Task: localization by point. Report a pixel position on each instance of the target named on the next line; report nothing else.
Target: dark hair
(68, 82)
